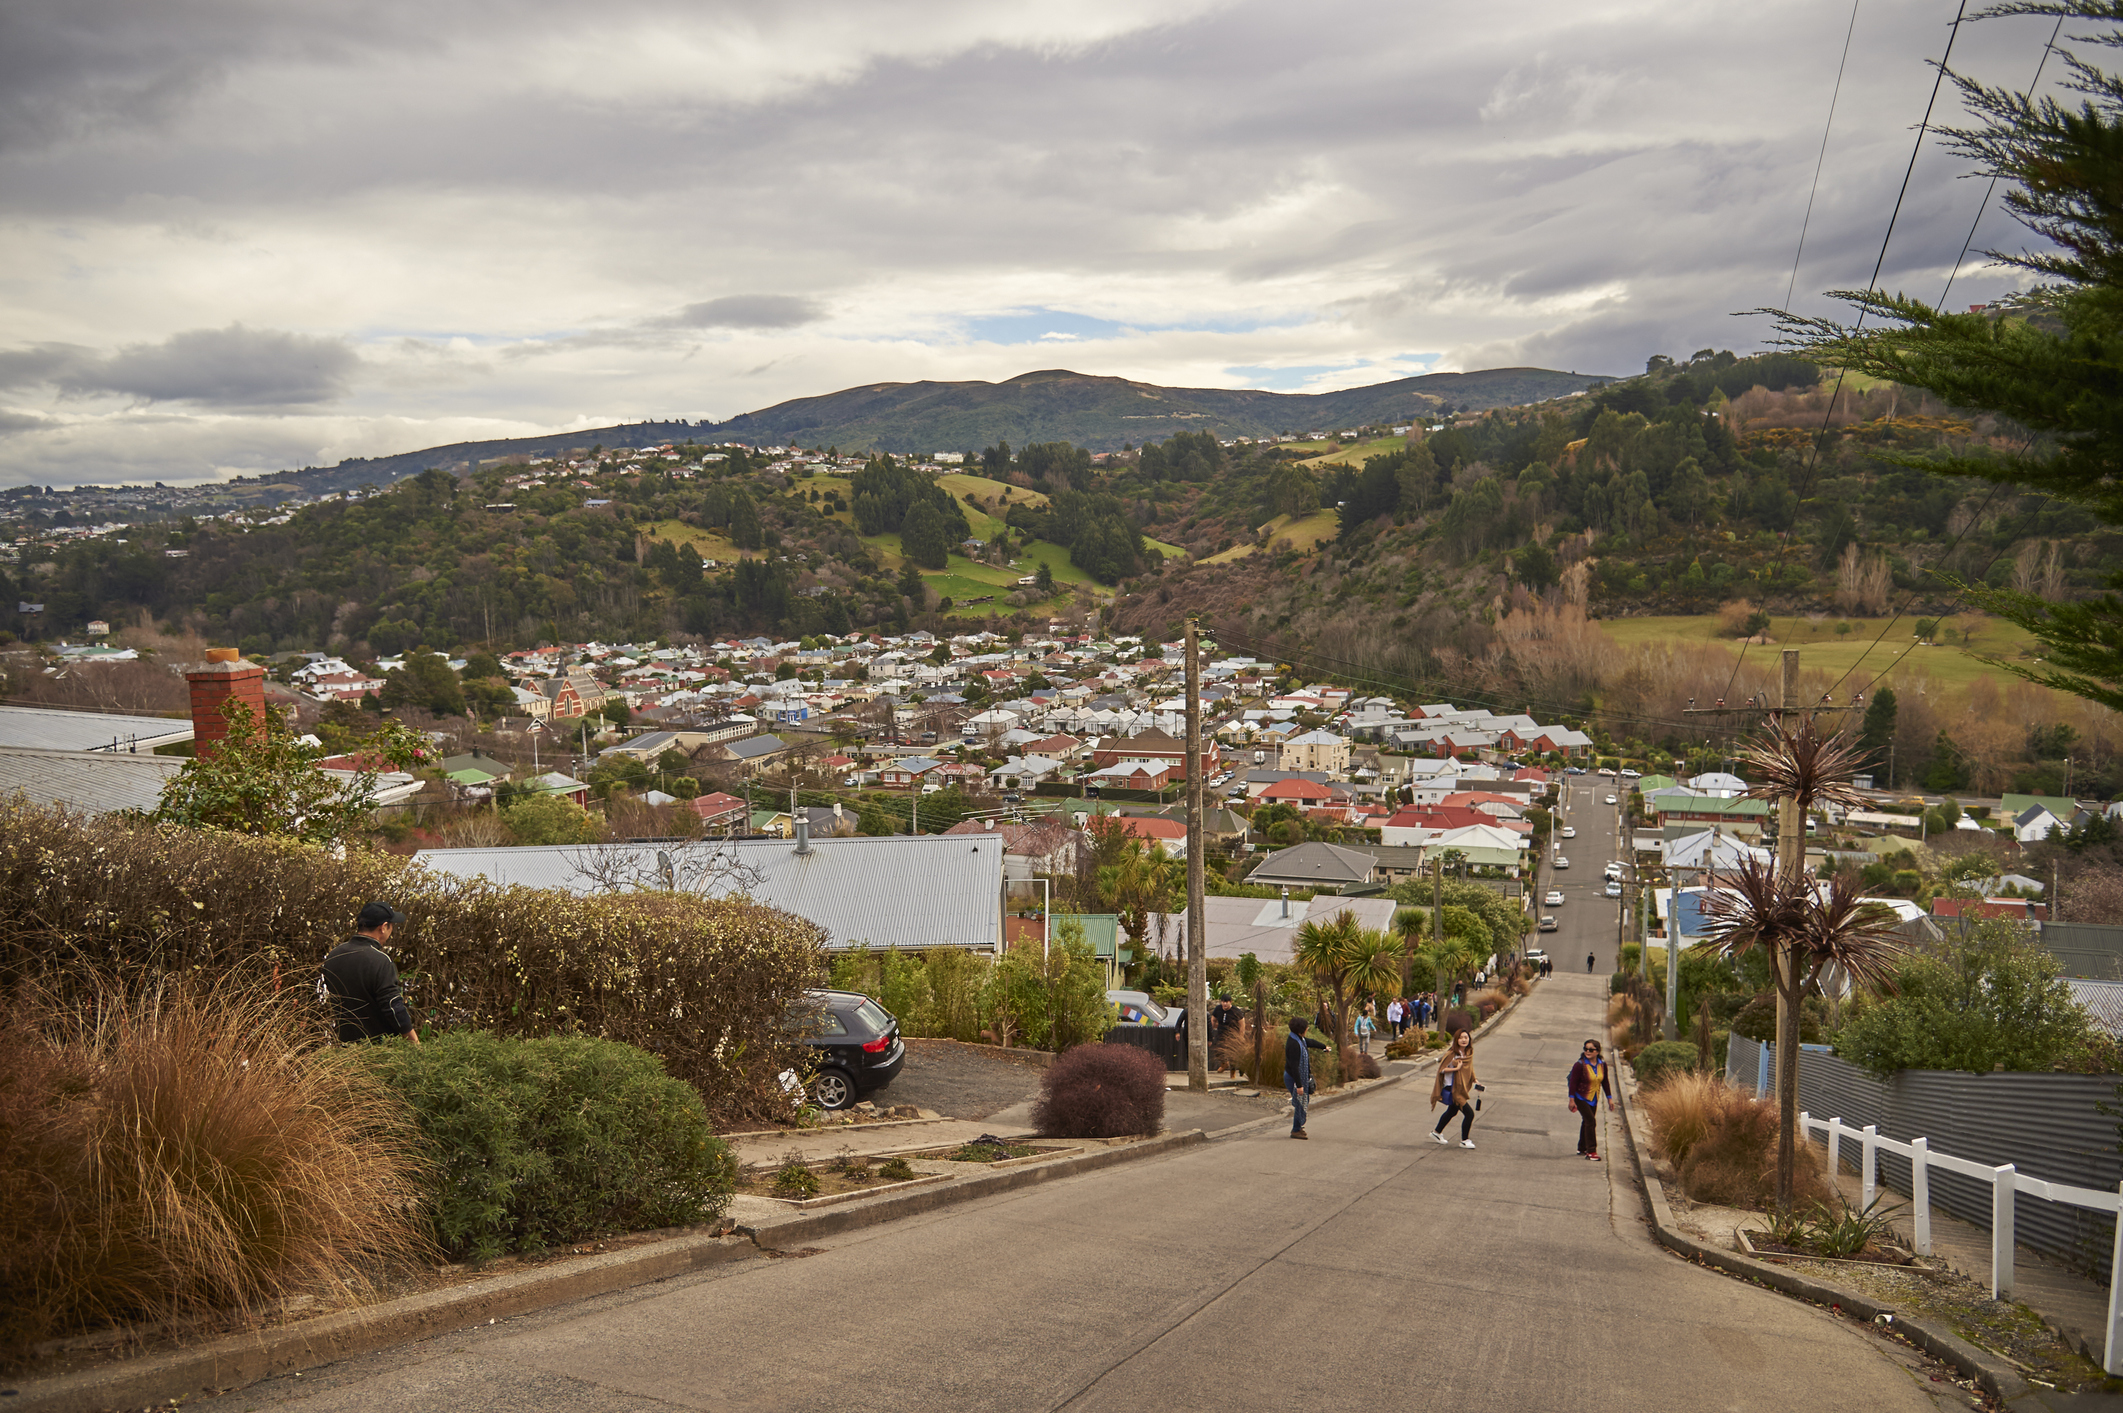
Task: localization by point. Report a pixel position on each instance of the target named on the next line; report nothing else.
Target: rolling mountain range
(1050, 406)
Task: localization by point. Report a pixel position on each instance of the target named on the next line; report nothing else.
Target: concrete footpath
(1369, 1265)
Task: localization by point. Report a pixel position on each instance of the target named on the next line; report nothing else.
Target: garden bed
(1758, 1243)
(841, 1179)
(994, 1156)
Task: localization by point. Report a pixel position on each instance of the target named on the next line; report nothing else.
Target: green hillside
(1104, 414)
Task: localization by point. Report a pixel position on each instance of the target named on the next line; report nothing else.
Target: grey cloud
(13, 422)
(40, 363)
(231, 367)
(748, 311)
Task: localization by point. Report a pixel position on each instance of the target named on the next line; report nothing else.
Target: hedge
(701, 984)
(530, 1143)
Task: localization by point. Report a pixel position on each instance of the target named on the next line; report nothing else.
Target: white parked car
(1548, 924)
(1570, 831)
(1554, 898)
(1561, 862)
(1614, 888)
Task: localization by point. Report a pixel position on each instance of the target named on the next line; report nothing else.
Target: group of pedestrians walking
(1455, 1084)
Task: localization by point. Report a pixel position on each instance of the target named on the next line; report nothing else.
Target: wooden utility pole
(1197, 946)
(1791, 856)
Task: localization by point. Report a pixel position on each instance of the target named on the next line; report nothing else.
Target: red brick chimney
(225, 675)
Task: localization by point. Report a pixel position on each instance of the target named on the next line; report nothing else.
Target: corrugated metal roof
(93, 782)
(934, 890)
(52, 729)
(2103, 1000)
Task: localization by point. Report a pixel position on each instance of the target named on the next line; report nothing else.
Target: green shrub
(1988, 998)
(795, 1179)
(538, 1142)
(1656, 1062)
(702, 984)
(1757, 1020)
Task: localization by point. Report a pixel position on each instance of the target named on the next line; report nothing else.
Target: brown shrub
(1101, 1091)
(1723, 1143)
(700, 983)
(174, 1152)
(1357, 1065)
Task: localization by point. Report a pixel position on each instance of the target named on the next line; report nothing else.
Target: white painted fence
(2005, 1186)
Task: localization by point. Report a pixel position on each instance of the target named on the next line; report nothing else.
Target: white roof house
(932, 890)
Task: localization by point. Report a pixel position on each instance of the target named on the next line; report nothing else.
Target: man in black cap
(360, 983)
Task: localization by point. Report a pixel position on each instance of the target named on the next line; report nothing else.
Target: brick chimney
(225, 675)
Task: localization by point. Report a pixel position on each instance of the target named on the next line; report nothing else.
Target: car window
(873, 1016)
(809, 1018)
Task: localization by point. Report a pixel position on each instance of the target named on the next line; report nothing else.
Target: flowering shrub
(701, 984)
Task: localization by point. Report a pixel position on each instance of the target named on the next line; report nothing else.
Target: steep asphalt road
(1586, 920)
(1368, 1267)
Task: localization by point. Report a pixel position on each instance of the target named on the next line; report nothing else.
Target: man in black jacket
(360, 983)
(1297, 1073)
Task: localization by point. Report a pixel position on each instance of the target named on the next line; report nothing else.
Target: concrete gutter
(231, 1363)
(1997, 1378)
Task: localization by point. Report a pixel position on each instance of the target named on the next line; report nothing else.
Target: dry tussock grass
(1722, 1142)
(174, 1152)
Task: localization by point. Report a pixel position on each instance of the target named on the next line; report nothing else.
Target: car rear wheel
(833, 1089)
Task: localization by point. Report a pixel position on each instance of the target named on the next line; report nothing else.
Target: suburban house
(907, 772)
(931, 890)
(718, 813)
(1030, 850)
(1153, 829)
(1672, 807)
(1328, 867)
(1153, 747)
(1321, 751)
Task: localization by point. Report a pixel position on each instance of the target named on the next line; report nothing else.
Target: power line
(1813, 461)
(1835, 95)
(1984, 204)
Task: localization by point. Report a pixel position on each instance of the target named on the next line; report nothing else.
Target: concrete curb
(245, 1359)
(1997, 1378)
(810, 1227)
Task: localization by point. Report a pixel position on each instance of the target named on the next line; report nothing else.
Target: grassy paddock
(1824, 648)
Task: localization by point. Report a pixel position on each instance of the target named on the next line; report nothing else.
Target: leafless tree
(713, 867)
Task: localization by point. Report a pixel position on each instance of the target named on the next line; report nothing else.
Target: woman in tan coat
(1453, 1086)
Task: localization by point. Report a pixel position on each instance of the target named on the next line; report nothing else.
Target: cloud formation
(238, 230)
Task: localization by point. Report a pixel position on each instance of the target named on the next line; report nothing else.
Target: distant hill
(1102, 413)
(1051, 406)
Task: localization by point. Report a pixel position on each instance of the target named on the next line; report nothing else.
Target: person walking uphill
(1588, 1081)
(1297, 1073)
(360, 981)
(1453, 1086)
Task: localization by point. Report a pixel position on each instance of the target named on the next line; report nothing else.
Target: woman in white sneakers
(1453, 1086)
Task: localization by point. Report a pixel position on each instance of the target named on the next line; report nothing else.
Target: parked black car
(855, 1045)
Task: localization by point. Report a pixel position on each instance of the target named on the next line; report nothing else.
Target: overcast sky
(240, 235)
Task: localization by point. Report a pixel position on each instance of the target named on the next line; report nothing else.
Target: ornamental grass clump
(702, 984)
(177, 1150)
(1101, 1091)
(1721, 1142)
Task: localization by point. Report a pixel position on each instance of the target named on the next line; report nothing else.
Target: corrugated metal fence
(2043, 1123)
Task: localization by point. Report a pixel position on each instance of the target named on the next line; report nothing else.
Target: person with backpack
(1453, 1086)
(1588, 1081)
(1363, 1027)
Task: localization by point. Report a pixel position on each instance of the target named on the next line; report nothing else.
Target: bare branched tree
(712, 867)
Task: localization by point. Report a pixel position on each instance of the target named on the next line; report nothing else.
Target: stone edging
(227, 1364)
(2000, 1380)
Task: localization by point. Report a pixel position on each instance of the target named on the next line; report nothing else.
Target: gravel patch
(960, 1081)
